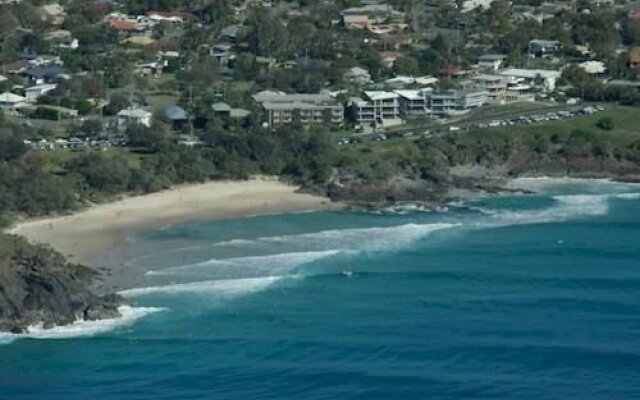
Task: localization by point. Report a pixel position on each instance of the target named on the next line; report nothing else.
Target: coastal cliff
(38, 287)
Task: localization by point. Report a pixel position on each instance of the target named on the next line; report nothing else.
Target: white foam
(222, 287)
(567, 207)
(273, 263)
(628, 196)
(356, 239)
(551, 184)
(82, 328)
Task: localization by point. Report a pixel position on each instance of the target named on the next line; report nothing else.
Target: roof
(140, 40)
(380, 95)
(530, 73)
(221, 107)
(411, 94)
(355, 71)
(175, 113)
(125, 25)
(44, 72)
(11, 98)
(239, 113)
(134, 113)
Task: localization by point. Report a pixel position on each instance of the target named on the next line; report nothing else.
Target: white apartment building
(377, 108)
(448, 103)
(282, 108)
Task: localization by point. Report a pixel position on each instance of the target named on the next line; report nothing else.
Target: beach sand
(85, 235)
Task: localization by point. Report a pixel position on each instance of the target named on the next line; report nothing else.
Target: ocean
(514, 296)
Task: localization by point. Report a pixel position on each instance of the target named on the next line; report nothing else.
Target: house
(223, 55)
(139, 41)
(152, 69)
(446, 103)
(535, 77)
(11, 103)
(403, 81)
(34, 92)
(393, 42)
(223, 110)
(16, 67)
(176, 115)
(491, 62)
(593, 67)
(282, 108)
(37, 60)
(62, 39)
(231, 33)
(365, 16)
(128, 27)
(357, 76)
(40, 75)
(543, 48)
(53, 14)
(133, 117)
(470, 5)
(377, 108)
(174, 17)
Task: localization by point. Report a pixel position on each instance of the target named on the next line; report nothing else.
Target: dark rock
(38, 287)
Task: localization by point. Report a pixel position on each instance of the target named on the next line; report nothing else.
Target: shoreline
(85, 235)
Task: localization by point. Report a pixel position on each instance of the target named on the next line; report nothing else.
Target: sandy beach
(83, 235)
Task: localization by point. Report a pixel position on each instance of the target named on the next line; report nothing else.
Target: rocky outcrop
(38, 287)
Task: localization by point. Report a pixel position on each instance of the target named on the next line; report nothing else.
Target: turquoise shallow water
(520, 297)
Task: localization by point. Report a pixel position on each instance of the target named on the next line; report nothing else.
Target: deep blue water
(521, 297)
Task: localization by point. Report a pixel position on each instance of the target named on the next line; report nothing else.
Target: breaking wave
(274, 263)
(224, 288)
(376, 238)
(83, 328)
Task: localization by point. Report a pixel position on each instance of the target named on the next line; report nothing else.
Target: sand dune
(83, 235)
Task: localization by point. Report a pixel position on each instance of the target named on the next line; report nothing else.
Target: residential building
(133, 117)
(446, 103)
(546, 79)
(491, 62)
(223, 55)
(502, 89)
(413, 103)
(377, 108)
(10, 102)
(34, 92)
(365, 16)
(40, 75)
(494, 85)
(62, 39)
(403, 81)
(307, 109)
(543, 48)
(469, 5)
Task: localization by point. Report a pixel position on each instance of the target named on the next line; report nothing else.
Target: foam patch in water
(224, 288)
(83, 328)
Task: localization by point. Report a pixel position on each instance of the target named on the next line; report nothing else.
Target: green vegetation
(521, 147)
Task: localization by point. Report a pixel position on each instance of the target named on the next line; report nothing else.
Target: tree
(406, 65)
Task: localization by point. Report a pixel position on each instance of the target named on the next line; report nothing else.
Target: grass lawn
(625, 121)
